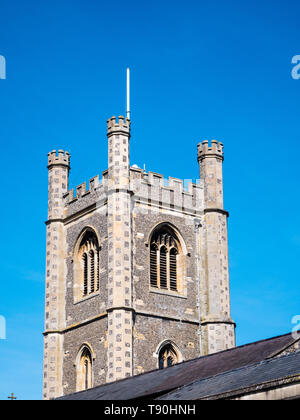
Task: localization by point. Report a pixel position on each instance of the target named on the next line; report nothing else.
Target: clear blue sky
(200, 70)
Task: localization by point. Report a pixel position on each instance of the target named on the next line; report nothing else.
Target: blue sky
(200, 70)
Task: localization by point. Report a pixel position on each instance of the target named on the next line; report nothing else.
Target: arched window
(168, 356)
(87, 265)
(164, 259)
(84, 369)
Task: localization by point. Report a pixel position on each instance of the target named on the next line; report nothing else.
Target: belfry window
(167, 356)
(89, 264)
(164, 252)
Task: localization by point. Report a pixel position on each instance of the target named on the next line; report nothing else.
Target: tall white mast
(128, 93)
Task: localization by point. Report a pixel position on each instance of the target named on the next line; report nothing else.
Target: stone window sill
(84, 299)
(167, 293)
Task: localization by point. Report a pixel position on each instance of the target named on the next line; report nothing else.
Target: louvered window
(163, 274)
(85, 274)
(164, 250)
(89, 252)
(97, 272)
(173, 269)
(92, 270)
(153, 265)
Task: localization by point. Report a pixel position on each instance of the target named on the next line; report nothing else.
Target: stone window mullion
(168, 357)
(158, 267)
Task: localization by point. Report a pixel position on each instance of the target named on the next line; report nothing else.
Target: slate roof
(159, 382)
(278, 369)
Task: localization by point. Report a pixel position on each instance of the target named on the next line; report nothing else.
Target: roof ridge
(262, 362)
(231, 349)
(276, 353)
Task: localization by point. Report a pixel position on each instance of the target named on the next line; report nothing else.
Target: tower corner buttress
(218, 327)
(58, 180)
(120, 307)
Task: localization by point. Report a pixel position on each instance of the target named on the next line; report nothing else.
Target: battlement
(148, 188)
(114, 126)
(62, 158)
(215, 150)
(155, 190)
(158, 180)
(82, 190)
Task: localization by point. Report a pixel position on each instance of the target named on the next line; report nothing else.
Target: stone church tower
(136, 269)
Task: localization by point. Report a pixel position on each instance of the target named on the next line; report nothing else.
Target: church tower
(136, 269)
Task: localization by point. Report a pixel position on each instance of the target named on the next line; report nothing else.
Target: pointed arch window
(164, 260)
(84, 378)
(88, 258)
(168, 356)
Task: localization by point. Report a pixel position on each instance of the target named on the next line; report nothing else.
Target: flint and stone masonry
(58, 167)
(119, 329)
(120, 320)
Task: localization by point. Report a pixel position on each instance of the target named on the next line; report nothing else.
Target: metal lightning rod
(128, 93)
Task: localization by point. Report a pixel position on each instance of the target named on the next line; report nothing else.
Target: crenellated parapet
(215, 150)
(60, 159)
(85, 195)
(154, 190)
(149, 188)
(120, 126)
(210, 160)
(58, 182)
(81, 190)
